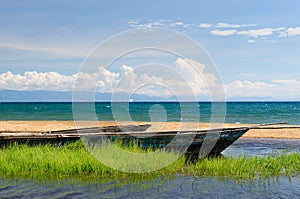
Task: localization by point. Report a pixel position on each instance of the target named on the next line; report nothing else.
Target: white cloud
(107, 80)
(189, 79)
(201, 82)
(289, 32)
(283, 34)
(181, 24)
(158, 24)
(288, 89)
(256, 33)
(133, 22)
(150, 24)
(223, 32)
(53, 81)
(250, 41)
(249, 89)
(205, 25)
(192, 71)
(259, 32)
(221, 28)
(293, 31)
(277, 89)
(36, 81)
(189, 65)
(186, 78)
(178, 23)
(226, 25)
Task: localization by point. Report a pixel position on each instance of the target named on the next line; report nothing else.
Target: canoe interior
(62, 137)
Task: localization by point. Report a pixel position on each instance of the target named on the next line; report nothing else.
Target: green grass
(248, 167)
(74, 160)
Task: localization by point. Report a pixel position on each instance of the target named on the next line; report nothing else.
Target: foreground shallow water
(169, 187)
(262, 147)
(174, 187)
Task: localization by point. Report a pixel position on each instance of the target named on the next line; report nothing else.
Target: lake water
(178, 186)
(175, 186)
(235, 112)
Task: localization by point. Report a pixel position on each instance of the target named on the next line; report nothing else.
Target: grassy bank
(75, 161)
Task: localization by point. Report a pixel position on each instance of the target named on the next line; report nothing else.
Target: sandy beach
(283, 131)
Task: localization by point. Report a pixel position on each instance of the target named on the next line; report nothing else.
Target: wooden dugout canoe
(194, 143)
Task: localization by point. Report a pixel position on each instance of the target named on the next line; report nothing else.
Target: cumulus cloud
(249, 89)
(277, 89)
(192, 72)
(223, 32)
(53, 81)
(185, 79)
(36, 81)
(288, 88)
(187, 65)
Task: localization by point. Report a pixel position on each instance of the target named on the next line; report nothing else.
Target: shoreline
(46, 126)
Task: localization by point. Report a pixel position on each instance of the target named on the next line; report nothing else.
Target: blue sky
(255, 44)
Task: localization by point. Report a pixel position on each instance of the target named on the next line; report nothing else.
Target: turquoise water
(175, 186)
(236, 112)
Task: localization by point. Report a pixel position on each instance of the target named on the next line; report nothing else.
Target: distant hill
(250, 99)
(60, 96)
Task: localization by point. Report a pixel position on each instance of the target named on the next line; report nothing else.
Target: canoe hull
(194, 144)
